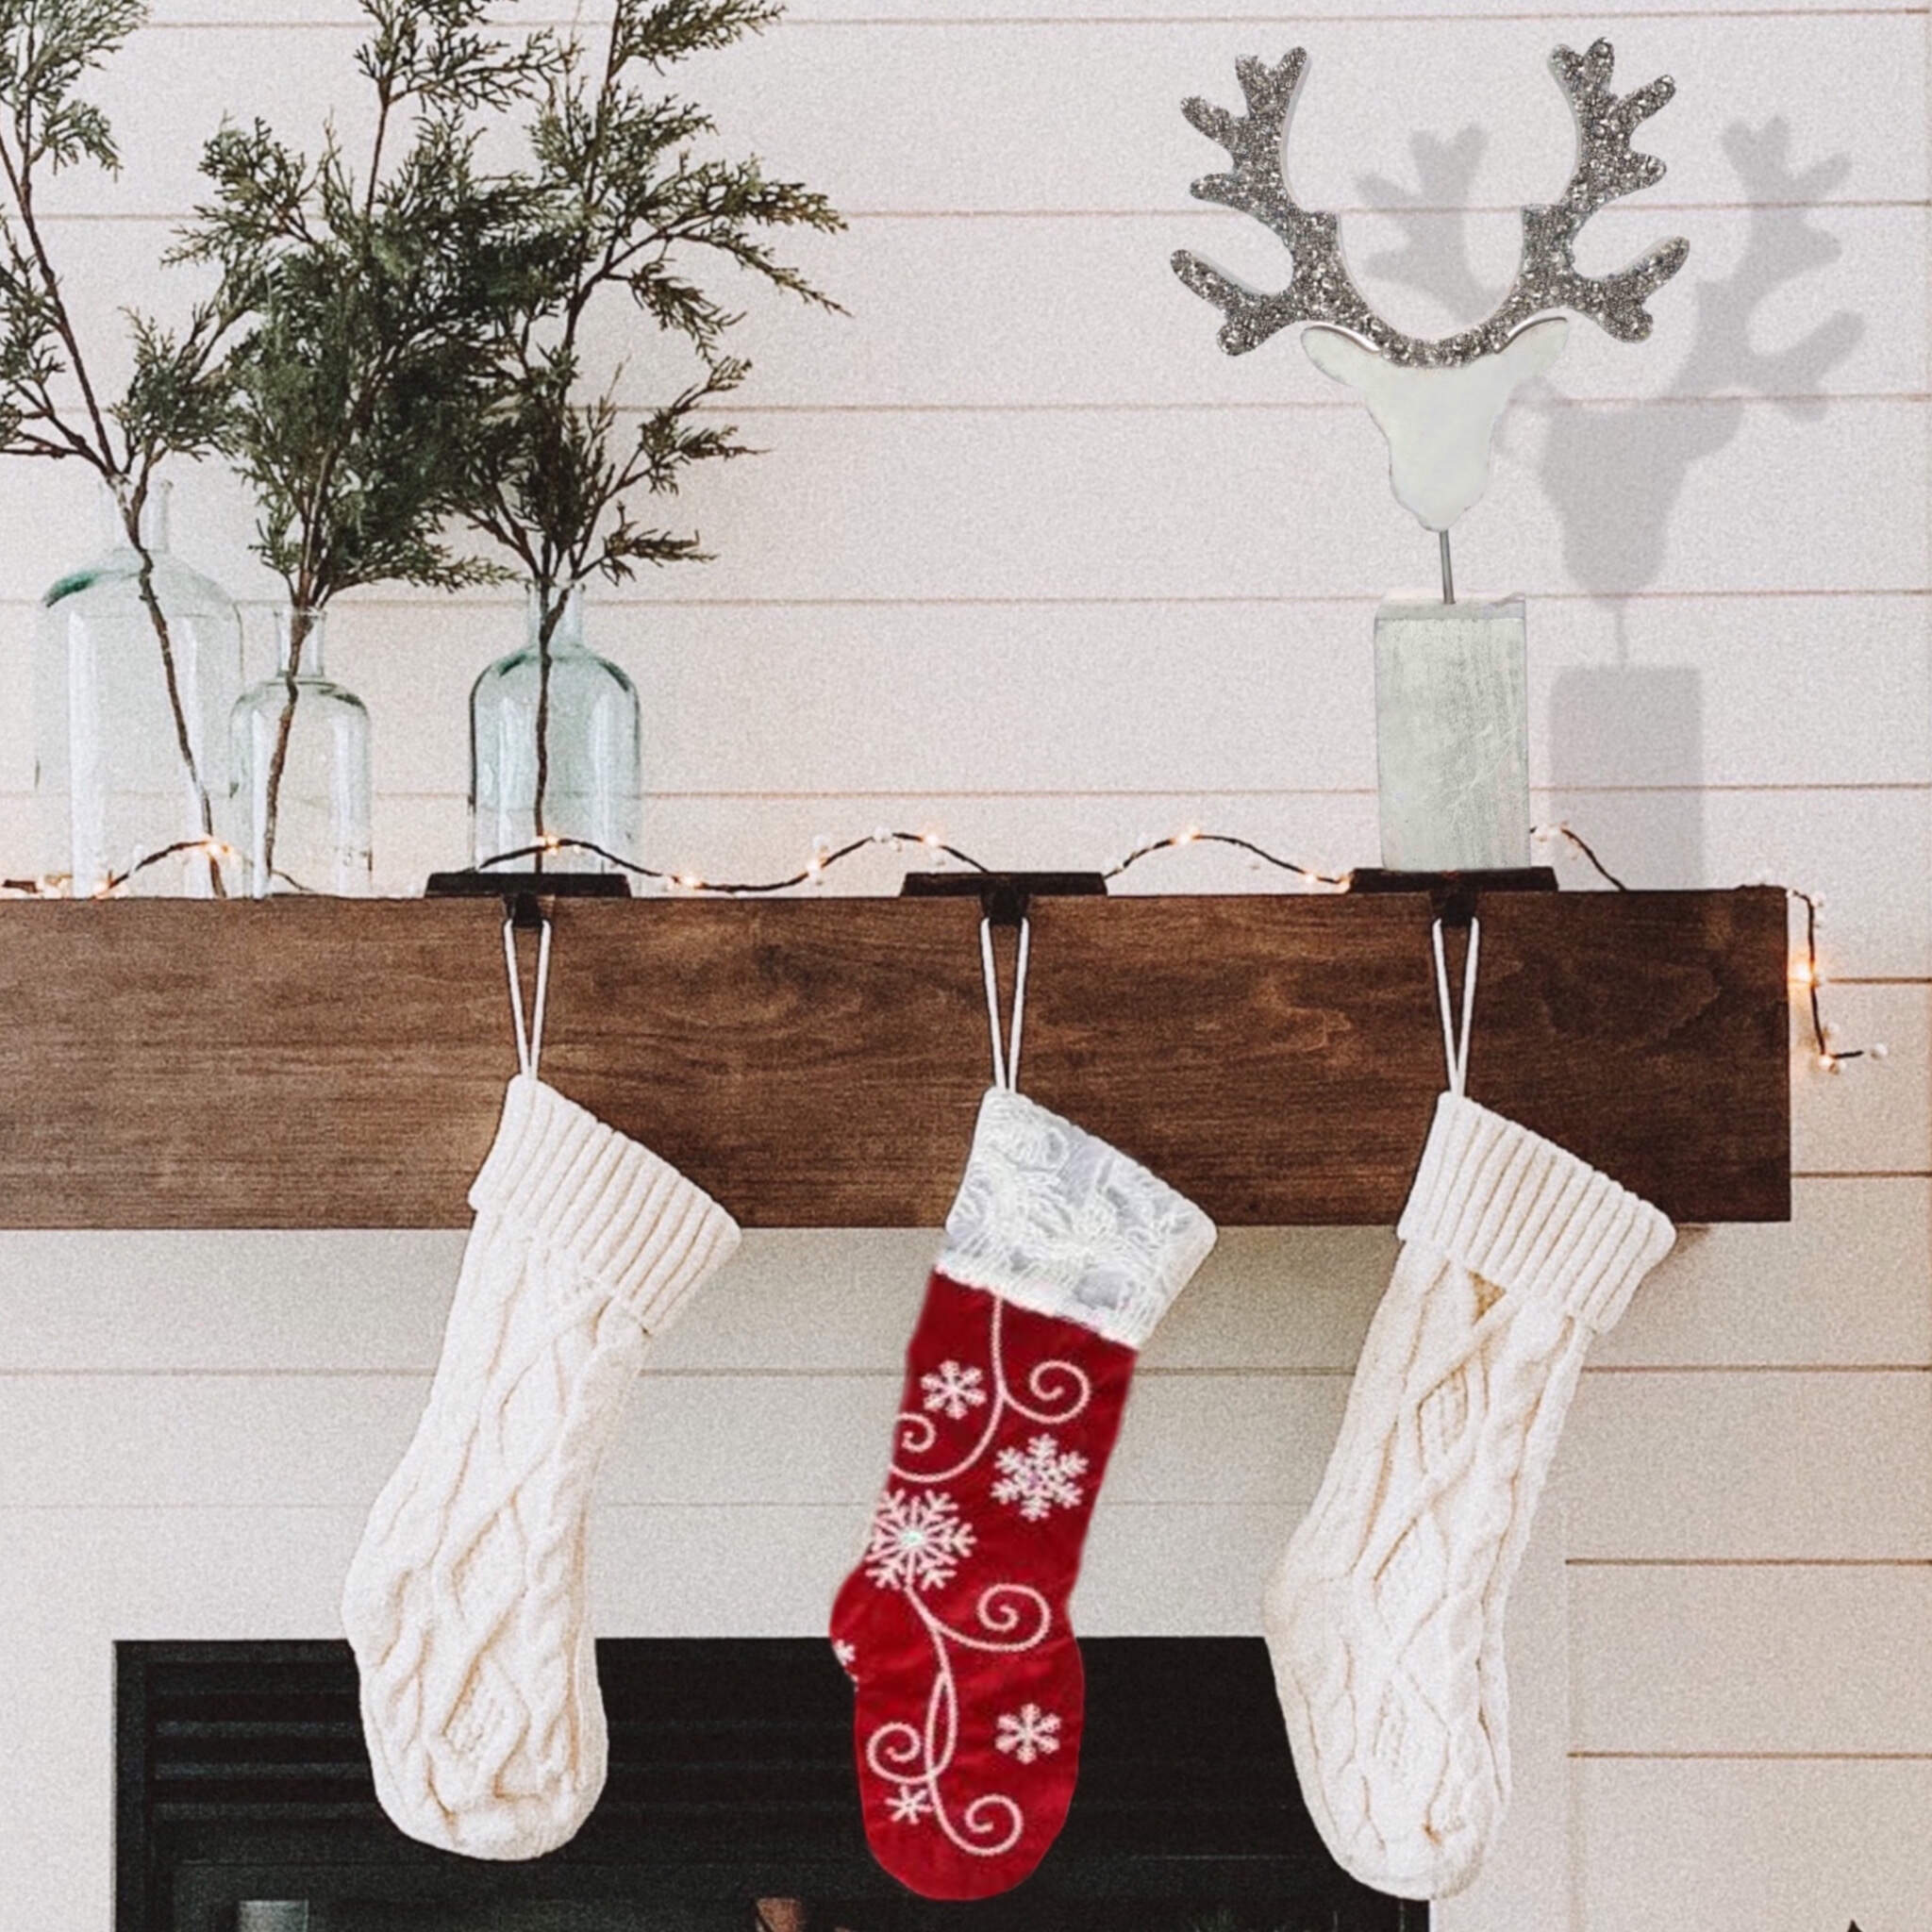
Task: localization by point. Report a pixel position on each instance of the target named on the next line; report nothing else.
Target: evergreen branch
(371, 295)
(623, 209)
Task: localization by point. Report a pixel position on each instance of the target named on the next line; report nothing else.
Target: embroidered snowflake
(909, 1804)
(1029, 1733)
(846, 1653)
(954, 1389)
(1041, 1479)
(918, 1540)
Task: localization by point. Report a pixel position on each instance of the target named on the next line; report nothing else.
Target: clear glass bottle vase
(299, 744)
(137, 661)
(553, 736)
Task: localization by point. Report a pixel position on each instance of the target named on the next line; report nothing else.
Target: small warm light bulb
(1828, 1061)
(1804, 972)
(930, 841)
(686, 881)
(1188, 835)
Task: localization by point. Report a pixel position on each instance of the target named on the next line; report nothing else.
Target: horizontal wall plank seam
(1822, 401)
(1745, 1369)
(1847, 1176)
(708, 1507)
(1233, 794)
(1772, 15)
(1749, 1562)
(1766, 15)
(1345, 406)
(1357, 212)
(1349, 599)
(1754, 1756)
(1153, 1372)
(646, 1376)
(163, 218)
(1608, 597)
(1861, 1174)
(473, 601)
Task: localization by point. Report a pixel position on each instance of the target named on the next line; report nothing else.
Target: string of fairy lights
(1806, 974)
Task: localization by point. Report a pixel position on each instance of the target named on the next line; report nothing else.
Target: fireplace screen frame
(241, 1775)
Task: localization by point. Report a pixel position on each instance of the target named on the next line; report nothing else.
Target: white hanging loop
(530, 1041)
(1455, 1039)
(1005, 1056)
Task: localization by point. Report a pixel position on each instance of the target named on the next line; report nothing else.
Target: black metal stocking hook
(1453, 895)
(522, 892)
(1005, 898)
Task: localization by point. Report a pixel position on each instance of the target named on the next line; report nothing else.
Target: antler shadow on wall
(1615, 472)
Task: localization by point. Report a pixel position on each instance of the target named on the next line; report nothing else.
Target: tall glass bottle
(554, 737)
(299, 744)
(137, 661)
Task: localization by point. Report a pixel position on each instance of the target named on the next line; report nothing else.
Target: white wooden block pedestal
(1452, 734)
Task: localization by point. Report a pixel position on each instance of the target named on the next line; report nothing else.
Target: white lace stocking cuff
(1054, 1219)
(1522, 1212)
(630, 1220)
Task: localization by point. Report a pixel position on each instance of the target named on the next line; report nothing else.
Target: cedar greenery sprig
(376, 293)
(52, 405)
(625, 209)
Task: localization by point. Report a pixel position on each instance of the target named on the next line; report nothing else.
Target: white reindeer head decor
(1439, 422)
(1435, 400)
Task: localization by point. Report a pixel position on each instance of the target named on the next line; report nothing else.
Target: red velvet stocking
(1060, 1256)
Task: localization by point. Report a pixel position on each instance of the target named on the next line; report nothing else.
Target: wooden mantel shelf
(817, 1062)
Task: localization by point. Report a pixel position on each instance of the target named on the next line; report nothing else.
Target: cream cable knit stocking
(465, 1604)
(1384, 1617)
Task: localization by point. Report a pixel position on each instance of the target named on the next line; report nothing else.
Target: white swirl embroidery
(915, 1759)
(1059, 1391)
(919, 1539)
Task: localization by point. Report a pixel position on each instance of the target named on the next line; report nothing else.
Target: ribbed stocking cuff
(1522, 1212)
(629, 1219)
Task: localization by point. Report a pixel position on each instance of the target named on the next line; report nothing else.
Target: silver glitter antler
(1607, 167)
(1258, 185)
(1546, 278)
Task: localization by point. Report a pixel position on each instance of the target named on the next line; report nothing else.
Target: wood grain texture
(817, 1062)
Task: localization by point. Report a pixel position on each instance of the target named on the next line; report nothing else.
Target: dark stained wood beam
(817, 1062)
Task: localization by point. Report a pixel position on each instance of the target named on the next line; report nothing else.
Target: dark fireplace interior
(245, 1804)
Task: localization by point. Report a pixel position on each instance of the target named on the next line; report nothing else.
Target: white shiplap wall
(1030, 560)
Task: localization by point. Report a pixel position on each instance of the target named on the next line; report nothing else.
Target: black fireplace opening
(245, 1803)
